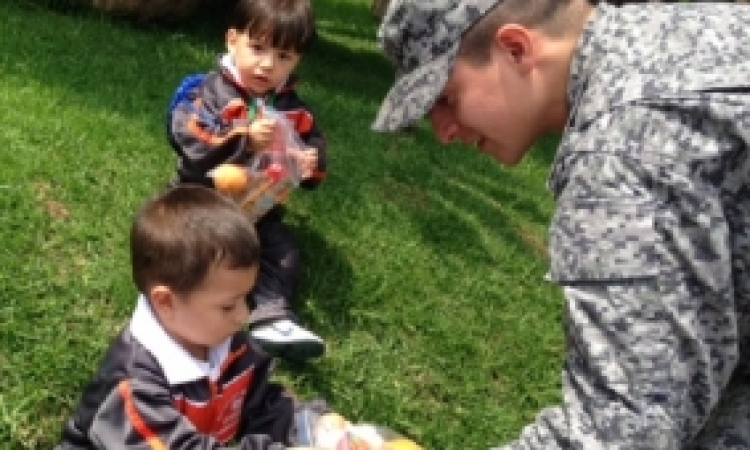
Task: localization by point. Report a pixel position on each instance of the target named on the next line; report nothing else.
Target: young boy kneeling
(184, 373)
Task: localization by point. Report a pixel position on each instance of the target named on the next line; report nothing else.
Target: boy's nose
(267, 61)
(445, 127)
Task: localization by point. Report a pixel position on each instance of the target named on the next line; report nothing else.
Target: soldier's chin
(513, 160)
(506, 156)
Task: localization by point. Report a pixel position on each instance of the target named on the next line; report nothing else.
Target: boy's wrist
(256, 145)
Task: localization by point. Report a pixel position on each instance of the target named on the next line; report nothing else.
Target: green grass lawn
(424, 263)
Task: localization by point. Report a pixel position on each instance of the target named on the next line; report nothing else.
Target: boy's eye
(228, 308)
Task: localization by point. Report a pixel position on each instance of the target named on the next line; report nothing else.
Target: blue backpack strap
(188, 84)
(182, 96)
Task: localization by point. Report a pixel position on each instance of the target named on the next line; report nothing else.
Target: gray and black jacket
(150, 394)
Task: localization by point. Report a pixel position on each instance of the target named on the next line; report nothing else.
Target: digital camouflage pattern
(651, 237)
(421, 39)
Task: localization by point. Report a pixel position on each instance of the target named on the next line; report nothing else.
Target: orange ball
(230, 179)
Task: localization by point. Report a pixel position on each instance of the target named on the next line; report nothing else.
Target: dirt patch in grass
(56, 209)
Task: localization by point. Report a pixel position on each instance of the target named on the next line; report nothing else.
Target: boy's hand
(262, 132)
(307, 161)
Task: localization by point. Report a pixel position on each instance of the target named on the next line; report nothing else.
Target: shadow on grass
(467, 194)
(183, 49)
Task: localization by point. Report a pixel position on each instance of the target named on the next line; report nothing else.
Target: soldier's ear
(518, 46)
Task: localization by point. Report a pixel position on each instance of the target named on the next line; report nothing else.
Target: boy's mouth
(261, 79)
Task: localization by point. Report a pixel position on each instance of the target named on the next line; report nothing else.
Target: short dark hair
(546, 15)
(289, 24)
(179, 235)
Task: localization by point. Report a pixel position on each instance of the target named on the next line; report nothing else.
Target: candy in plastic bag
(271, 175)
(332, 431)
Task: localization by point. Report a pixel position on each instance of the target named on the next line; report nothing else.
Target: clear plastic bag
(271, 175)
(331, 431)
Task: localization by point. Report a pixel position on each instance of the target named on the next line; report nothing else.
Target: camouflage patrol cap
(421, 38)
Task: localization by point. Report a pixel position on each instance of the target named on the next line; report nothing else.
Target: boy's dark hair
(554, 17)
(288, 24)
(178, 236)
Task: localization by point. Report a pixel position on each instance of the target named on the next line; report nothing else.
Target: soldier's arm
(639, 244)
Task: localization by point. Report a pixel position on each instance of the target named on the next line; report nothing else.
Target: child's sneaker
(286, 339)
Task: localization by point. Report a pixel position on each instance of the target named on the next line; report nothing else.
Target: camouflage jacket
(651, 237)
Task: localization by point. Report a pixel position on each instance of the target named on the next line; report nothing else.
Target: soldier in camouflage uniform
(651, 237)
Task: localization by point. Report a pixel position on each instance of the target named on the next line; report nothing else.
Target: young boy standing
(223, 122)
(184, 373)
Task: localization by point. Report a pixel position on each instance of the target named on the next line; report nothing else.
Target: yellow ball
(402, 444)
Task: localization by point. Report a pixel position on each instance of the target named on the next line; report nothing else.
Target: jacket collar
(178, 365)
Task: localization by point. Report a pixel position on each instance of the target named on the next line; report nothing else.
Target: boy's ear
(163, 301)
(518, 45)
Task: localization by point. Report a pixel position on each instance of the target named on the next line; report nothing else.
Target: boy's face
(492, 105)
(207, 316)
(262, 67)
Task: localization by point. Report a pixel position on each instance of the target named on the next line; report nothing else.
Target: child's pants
(278, 276)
